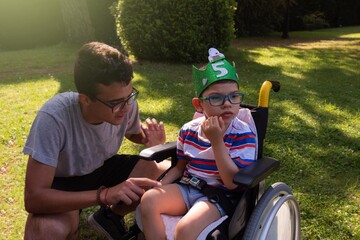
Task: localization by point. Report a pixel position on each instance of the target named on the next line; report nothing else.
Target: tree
(286, 4)
(257, 17)
(77, 21)
(103, 21)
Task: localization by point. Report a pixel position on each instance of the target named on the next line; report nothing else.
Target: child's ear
(197, 104)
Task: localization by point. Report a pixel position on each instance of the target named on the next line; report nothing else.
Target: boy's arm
(40, 198)
(175, 172)
(225, 164)
(214, 129)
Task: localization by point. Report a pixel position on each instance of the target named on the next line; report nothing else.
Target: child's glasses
(219, 99)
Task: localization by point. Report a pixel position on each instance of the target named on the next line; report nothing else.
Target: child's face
(227, 111)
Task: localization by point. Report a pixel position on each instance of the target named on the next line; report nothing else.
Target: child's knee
(148, 201)
(183, 230)
(148, 196)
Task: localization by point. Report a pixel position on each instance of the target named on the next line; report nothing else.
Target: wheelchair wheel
(276, 216)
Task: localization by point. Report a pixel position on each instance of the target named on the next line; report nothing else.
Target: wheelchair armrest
(252, 175)
(159, 152)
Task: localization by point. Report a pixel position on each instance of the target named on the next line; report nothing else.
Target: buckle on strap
(193, 181)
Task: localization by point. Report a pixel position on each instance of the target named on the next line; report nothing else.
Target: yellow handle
(264, 94)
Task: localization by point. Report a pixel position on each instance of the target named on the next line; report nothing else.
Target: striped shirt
(239, 140)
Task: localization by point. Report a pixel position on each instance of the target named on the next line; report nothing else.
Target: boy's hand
(130, 191)
(154, 132)
(213, 128)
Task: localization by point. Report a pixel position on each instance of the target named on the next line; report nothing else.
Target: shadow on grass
(319, 149)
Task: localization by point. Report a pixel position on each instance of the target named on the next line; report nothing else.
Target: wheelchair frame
(257, 213)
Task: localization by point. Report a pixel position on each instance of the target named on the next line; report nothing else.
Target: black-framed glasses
(119, 105)
(219, 99)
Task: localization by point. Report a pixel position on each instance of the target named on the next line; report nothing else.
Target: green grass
(314, 122)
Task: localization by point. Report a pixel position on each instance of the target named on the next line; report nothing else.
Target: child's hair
(98, 63)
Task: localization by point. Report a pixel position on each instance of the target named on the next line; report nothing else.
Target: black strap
(225, 199)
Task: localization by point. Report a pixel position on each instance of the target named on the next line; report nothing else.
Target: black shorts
(114, 171)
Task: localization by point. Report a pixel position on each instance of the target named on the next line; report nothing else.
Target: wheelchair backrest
(260, 116)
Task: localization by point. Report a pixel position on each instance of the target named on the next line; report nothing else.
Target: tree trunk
(77, 21)
(285, 28)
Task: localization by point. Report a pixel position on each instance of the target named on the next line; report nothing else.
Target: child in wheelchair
(210, 151)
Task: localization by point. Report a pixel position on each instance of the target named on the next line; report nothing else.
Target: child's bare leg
(196, 219)
(168, 200)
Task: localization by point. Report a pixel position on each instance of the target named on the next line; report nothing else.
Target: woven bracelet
(105, 200)
(98, 192)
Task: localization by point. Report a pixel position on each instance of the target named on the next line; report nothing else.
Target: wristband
(98, 192)
(106, 202)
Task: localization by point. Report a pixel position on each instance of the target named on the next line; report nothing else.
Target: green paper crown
(216, 70)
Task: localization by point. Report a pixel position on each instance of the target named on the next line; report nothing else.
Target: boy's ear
(197, 104)
(83, 99)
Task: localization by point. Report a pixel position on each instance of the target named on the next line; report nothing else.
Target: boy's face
(227, 111)
(111, 104)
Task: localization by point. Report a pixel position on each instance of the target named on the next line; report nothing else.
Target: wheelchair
(260, 214)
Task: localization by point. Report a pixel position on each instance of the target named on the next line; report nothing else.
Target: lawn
(314, 122)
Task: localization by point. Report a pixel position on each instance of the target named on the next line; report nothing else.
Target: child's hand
(213, 128)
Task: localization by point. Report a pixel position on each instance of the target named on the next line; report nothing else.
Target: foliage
(26, 24)
(314, 21)
(103, 21)
(258, 17)
(171, 30)
(336, 13)
(34, 23)
(77, 21)
(89, 20)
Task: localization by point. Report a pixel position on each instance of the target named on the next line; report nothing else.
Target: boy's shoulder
(244, 123)
(241, 125)
(59, 102)
(63, 98)
(194, 123)
(245, 118)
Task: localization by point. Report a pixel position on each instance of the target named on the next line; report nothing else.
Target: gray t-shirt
(61, 138)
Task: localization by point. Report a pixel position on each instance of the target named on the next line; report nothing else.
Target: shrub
(173, 30)
(314, 21)
(257, 17)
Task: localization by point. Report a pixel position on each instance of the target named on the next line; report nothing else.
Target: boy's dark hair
(98, 63)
